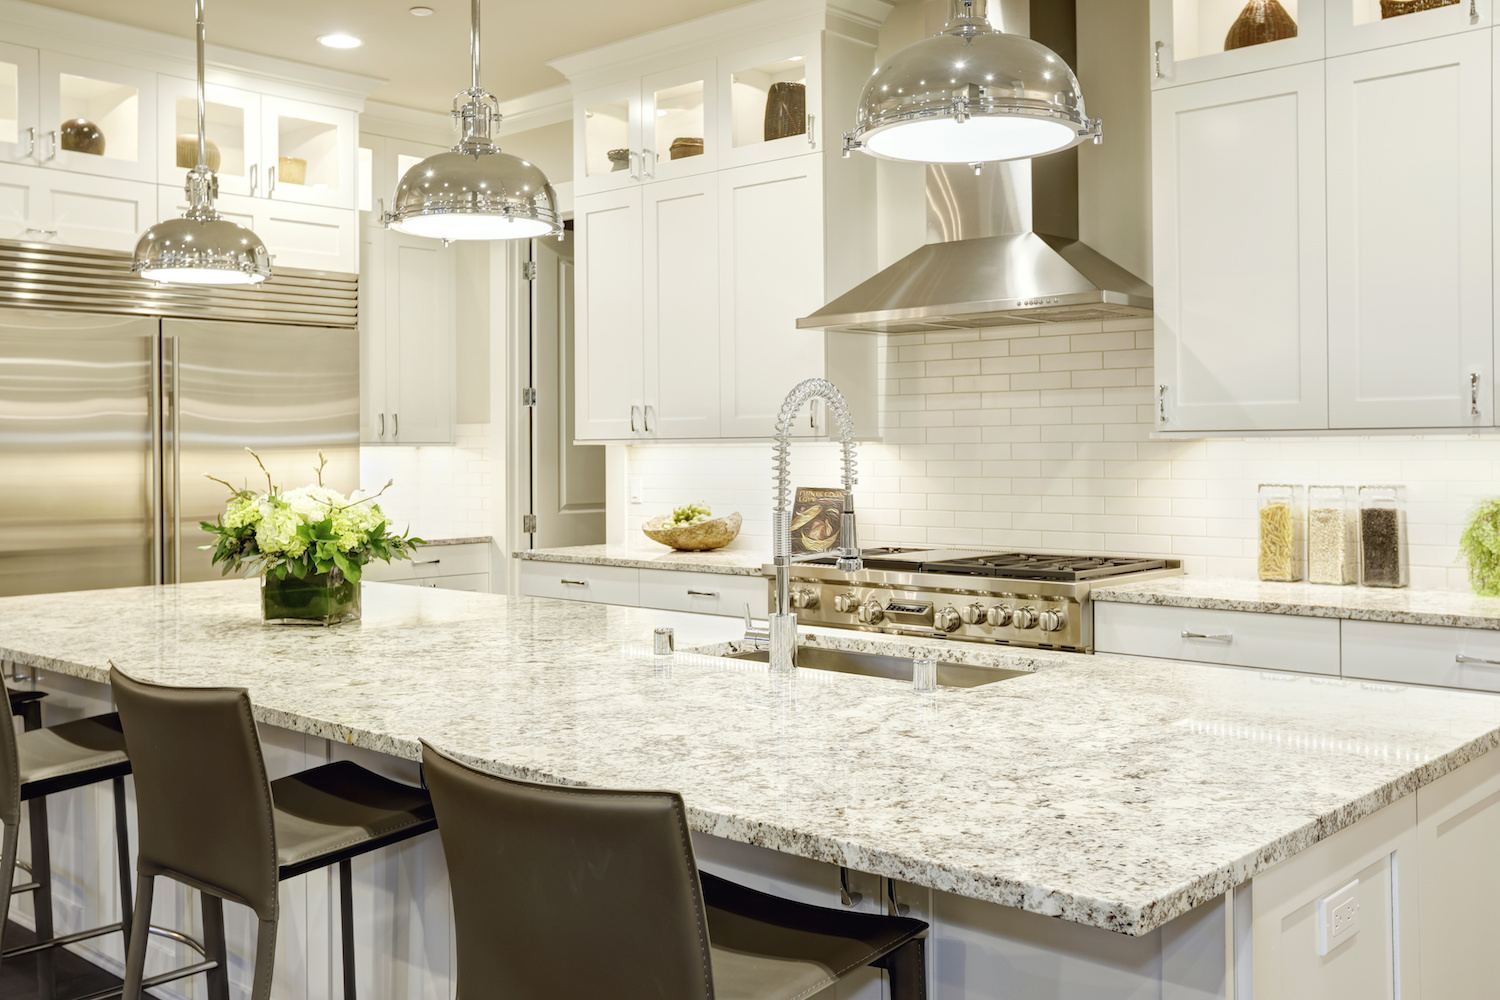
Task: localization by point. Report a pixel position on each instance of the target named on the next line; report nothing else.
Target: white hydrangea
(277, 531)
(314, 502)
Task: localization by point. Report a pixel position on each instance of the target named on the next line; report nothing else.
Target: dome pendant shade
(202, 247)
(971, 95)
(474, 191)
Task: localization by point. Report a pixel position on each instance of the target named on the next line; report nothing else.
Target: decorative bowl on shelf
(686, 146)
(81, 136)
(291, 170)
(619, 159)
(187, 153)
(700, 537)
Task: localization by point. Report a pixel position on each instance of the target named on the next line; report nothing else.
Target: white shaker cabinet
(680, 256)
(1358, 26)
(1410, 257)
(119, 100)
(609, 373)
(1241, 286)
(19, 104)
(1188, 36)
(420, 338)
(309, 237)
(82, 210)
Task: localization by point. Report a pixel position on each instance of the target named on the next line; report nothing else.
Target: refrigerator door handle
(171, 432)
(176, 466)
(154, 419)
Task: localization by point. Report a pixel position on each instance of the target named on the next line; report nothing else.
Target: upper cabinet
(308, 152)
(97, 118)
(1197, 40)
(772, 101)
(1361, 25)
(232, 124)
(642, 129)
(19, 103)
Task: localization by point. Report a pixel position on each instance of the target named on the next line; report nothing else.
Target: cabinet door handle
(703, 593)
(425, 562)
(574, 583)
(635, 170)
(1473, 394)
(51, 145)
(42, 232)
(634, 413)
(270, 181)
(649, 410)
(1476, 660)
(1156, 49)
(648, 156)
(254, 178)
(1161, 402)
(382, 425)
(811, 139)
(1220, 637)
(30, 143)
(395, 425)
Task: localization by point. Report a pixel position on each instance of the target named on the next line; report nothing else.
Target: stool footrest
(58, 942)
(165, 977)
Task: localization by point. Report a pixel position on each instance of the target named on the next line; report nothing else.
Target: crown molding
(521, 114)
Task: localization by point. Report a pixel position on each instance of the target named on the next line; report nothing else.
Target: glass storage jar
(1332, 535)
(1382, 537)
(1280, 533)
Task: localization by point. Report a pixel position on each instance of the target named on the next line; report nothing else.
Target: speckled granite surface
(1413, 607)
(726, 562)
(1112, 793)
(486, 539)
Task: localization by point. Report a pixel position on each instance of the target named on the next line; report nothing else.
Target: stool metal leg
(346, 918)
(265, 960)
(31, 716)
(10, 844)
(213, 941)
(41, 900)
(122, 848)
(140, 938)
(906, 968)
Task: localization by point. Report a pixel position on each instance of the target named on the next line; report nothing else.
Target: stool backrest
(569, 892)
(10, 765)
(201, 791)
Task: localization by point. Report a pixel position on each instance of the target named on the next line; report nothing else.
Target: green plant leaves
(1480, 547)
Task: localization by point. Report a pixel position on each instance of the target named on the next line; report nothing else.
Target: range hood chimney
(1003, 246)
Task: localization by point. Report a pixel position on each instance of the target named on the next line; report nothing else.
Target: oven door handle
(1219, 637)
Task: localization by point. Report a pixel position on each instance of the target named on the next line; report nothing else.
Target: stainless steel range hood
(1003, 246)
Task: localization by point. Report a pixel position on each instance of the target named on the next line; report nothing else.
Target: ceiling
(426, 59)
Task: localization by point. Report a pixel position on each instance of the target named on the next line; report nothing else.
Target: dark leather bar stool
(209, 818)
(571, 893)
(26, 704)
(34, 764)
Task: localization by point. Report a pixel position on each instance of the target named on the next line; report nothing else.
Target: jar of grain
(1332, 535)
(1382, 537)
(1280, 533)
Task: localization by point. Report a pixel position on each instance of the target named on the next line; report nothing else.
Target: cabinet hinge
(528, 524)
(528, 396)
(528, 270)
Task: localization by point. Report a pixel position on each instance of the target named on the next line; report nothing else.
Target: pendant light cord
(202, 101)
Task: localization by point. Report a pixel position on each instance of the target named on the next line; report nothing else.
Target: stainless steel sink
(896, 668)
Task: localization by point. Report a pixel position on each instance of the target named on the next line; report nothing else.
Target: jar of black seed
(1382, 537)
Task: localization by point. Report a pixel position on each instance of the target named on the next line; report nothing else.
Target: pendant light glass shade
(202, 247)
(971, 95)
(474, 191)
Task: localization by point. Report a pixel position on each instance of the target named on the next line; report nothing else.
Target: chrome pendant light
(474, 191)
(202, 247)
(971, 94)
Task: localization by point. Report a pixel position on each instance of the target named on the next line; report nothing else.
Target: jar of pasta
(1280, 534)
(1332, 535)
(1382, 537)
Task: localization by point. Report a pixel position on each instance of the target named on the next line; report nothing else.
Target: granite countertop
(1112, 793)
(1371, 604)
(475, 540)
(726, 562)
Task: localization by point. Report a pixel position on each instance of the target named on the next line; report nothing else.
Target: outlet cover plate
(1338, 917)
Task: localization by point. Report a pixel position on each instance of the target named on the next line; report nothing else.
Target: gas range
(971, 595)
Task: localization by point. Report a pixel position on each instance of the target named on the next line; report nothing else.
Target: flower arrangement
(303, 533)
(1480, 547)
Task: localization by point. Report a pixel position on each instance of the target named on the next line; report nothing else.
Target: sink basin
(894, 668)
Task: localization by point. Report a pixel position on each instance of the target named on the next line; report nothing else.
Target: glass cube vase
(320, 599)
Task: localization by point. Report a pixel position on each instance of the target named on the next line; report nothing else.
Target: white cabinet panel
(1187, 40)
(681, 281)
(431, 562)
(373, 377)
(772, 266)
(1241, 288)
(746, 79)
(54, 206)
(1422, 654)
(1357, 25)
(1230, 638)
(419, 334)
(610, 371)
(119, 100)
(19, 103)
(577, 582)
(1410, 270)
(311, 140)
(308, 237)
(704, 593)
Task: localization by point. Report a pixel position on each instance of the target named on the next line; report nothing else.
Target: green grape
(693, 513)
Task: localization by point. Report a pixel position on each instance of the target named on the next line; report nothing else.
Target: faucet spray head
(849, 560)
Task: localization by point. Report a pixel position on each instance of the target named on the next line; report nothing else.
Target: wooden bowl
(701, 537)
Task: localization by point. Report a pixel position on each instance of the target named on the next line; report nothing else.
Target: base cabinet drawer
(474, 583)
(574, 582)
(704, 593)
(1230, 638)
(432, 562)
(1423, 654)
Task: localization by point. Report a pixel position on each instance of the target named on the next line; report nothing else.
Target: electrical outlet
(1338, 917)
(635, 489)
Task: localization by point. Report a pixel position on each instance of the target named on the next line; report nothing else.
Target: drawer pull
(1461, 658)
(703, 593)
(425, 562)
(575, 583)
(1221, 637)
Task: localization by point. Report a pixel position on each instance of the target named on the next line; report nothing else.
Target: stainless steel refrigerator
(108, 423)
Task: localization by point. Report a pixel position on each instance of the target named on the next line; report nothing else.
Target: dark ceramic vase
(81, 136)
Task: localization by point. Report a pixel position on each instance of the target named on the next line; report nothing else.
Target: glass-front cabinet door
(307, 152)
(1196, 40)
(607, 138)
(771, 102)
(1360, 25)
(97, 118)
(18, 104)
(679, 125)
(232, 119)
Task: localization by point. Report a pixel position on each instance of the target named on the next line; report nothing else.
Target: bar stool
(34, 764)
(209, 818)
(577, 892)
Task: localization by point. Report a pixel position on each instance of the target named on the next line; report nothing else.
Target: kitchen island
(1138, 801)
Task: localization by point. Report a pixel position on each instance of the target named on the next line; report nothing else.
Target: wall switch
(635, 489)
(1338, 917)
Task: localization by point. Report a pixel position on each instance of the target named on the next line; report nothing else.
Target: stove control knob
(871, 612)
(804, 597)
(1025, 618)
(1000, 616)
(972, 614)
(845, 604)
(1054, 621)
(946, 620)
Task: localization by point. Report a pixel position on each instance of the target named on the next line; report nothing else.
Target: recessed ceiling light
(421, 12)
(340, 41)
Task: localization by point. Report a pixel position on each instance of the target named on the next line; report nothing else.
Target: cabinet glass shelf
(316, 144)
(679, 115)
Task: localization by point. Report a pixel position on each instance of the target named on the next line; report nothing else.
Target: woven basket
(1261, 21)
(1395, 8)
(686, 147)
(786, 111)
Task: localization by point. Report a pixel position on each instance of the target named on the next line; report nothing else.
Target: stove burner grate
(1024, 566)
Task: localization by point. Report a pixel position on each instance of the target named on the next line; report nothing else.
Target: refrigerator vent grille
(78, 279)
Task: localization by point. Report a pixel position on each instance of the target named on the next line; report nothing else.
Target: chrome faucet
(783, 620)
